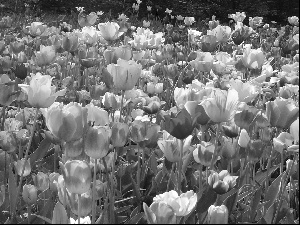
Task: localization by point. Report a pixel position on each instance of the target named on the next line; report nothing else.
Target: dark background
(277, 10)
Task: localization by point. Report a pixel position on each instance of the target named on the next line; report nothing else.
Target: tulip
(96, 115)
(125, 73)
(158, 88)
(159, 213)
(66, 122)
(21, 71)
(204, 153)
(17, 47)
(53, 179)
(85, 220)
(109, 100)
(294, 130)
(247, 92)
(37, 28)
(229, 148)
(244, 138)
(245, 117)
(208, 43)
(77, 176)
(40, 92)
(89, 35)
(110, 31)
(292, 167)
(221, 106)
(281, 113)
(73, 148)
(70, 42)
(203, 62)
(86, 203)
(182, 96)
(29, 194)
(255, 22)
(150, 88)
(238, 16)
(45, 56)
(222, 33)
(87, 20)
(283, 141)
(41, 181)
(123, 52)
(255, 150)
(138, 131)
(96, 143)
(119, 134)
(19, 166)
(217, 215)
(253, 58)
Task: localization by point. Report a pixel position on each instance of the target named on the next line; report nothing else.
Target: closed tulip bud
(41, 181)
(17, 47)
(22, 58)
(109, 55)
(40, 92)
(119, 134)
(19, 167)
(125, 73)
(218, 68)
(70, 43)
(138, 55)
(159, 213)
(159, 87)
(244, 138)
(53, 179)
(21, 71)
(151, 88)
(110, 101)
(96, 143)
(217, 215)
(229, 149)
(77, 176)
(45, 56)
(101, 189)
(29, 194)
(61, 190)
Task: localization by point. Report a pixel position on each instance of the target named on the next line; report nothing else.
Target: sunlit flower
(253, 58)
(217, 215)
(45, 56)
(109, 31)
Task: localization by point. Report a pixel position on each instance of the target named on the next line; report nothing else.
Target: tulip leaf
(207, 199)
(59, 214)
(40, 152)
(150, 216)
(12, 183)
(136, 218)
(273, 191)
(261, 176)
(255, 202)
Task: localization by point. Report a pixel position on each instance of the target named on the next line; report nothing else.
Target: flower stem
(79, 207)
(26, 153)
(138, 174)
(28, 213)
(216, 147)
(93, 193)
(180, 166)
(3, 117)
(200, 177)
(122, 102)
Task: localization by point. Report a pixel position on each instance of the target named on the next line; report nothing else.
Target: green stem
(170, 178)
(3, 117)
(112, 191)
(200, 177)
(93, 193)
(268, 167)
(79, 207)
(216, 146)
(26, 153)
(122, 102)
(138, 174)
(180, 166)
(28, 213)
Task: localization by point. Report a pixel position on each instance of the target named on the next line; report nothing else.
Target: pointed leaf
(40, 152)
(273, 191)
(12, 188)
(59, 214)
(150, 216)
(136, 218)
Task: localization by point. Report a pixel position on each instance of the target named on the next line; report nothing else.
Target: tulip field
(163, 120)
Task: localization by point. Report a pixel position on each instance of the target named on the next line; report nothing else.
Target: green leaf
(59, 214)
(261, 176)
(150, 216)
(136, 218)
(40, 152)
(254, 203)
(207, 199)
(12, 189)
(273, 191)
(122, 209)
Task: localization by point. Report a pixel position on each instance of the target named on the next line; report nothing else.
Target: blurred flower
(255, 21)
(70, 42)
(85, 220)
(97, 115)
(119, 134)
(149, 8)
(208, 43)
(125, 73)
(66, 122)
(89, 35)
(217, 215)
(109, 31)
(222, 33)
(45, 56)
(146, 23)
(238, 16)
(53, 179)
(203, 62)
(7, 89)
(77, 176)
(293, 20)
(29, 194)
(222, 182)
(37, 29)
(87, 20)
(221, 105)
(283, 141)
(189, 21)
(281, 113)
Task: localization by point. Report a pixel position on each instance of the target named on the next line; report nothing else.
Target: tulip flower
(37, 29)
(222, 33)
(85, 202)
(73, 148)
(77, 176)
(281, 113)
(110, 31)
(244, 138)
(53, 179)
(221, 105)
(96, 144)
(293, 20)
(40, 92)
(85, 220)
(247, 92)
(41, 181)
(283, 141)
(119, 134)
(96, 115)
(255, 150)
(229, 148)
(294, 130)
(87, 20)
(70, 42)
(238, 16)
(29, 194)
(159, 213)
(204, 153)
(255, 21)
(45, 56)
(253, 58)
(217, 215)
(19, 166)
(66, 122)
(110, 100)
(89, 35)
(222, 182)
(245, 117)
(125, 73)
(208, 43)
(203, 62)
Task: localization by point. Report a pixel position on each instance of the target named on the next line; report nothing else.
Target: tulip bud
(96, 143)
(19, 167)
(243, 139)
(119, 134)
(293, 169)
(204, 153)
(151, 88)
(29, 194)
(21, 71)
(53, 179)
(217, 215)
(45, 56)
(110, 101)
(41, 181)
(159, 88)
(138, 131)
(77, 176)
